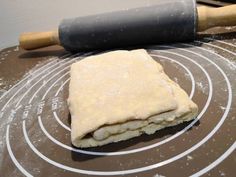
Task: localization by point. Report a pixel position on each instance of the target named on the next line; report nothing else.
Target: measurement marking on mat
(40, 107)
(26, 111)
(55, 101)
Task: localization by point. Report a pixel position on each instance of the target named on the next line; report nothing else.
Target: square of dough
(122, 94)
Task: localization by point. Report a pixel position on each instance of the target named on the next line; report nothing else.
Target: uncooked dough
(122, 94)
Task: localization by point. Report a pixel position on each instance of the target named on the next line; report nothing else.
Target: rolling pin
(167, 21)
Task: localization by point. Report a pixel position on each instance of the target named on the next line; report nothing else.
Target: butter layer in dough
(122, 94)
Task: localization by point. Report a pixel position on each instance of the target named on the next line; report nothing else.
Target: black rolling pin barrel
(171, 20)
(167, 21)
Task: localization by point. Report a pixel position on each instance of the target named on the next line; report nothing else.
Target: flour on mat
(189, 157)
(222, 107)
(7, 116)
(16, 49)
(202, 87)
(157, 175)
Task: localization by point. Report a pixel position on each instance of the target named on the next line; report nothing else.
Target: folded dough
(122, 94)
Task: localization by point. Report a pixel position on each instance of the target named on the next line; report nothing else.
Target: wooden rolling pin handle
(212, 17)
(36, 40)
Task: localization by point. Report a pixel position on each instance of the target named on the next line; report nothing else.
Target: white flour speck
(1, 81)
(201, 86)
(187, 75)
(232, 65)
(222, 108)
(221, 173)
(189, 157)
(16, 49)
(175, 79)
(158, 175)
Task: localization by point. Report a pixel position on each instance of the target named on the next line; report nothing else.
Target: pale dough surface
(122, 94)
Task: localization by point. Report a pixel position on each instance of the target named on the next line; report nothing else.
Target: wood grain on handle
(36, 40)
(211, 17)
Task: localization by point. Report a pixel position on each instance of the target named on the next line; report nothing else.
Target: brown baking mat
(35, 122)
